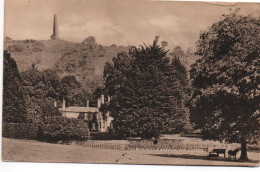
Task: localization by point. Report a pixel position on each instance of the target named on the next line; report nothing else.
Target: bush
(15, 48)
(20, 131)
(57, 128)
(90, 42)
(105, 136)
(8, 38)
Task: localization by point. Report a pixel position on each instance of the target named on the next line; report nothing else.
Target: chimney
(102, 99)
(87, 103)
(55, 103)
(63, 105)
(108, 99)
(98, 103)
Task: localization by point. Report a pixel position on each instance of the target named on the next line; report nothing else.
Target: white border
(68, 167)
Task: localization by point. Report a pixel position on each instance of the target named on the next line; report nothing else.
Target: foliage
(78, 60)
(225, 102)
(113, 45)
(145, 92)
(72, 92)
(24, 46)
(58, 128)
(48, 108)
(41, 84)
(90, 41)
(177, 53)
(104, 136)
(7, 38)
(41, 90)
(187, 57)
(20, 131)
(15, 48)
(13, 95)
(164, 43)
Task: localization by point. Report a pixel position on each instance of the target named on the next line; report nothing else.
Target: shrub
(15, 48)
(105, 136)
(90, 42)
(57, 128)
(8, 38)
(20, 130)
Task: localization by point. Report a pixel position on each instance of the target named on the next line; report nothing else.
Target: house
(96, 119)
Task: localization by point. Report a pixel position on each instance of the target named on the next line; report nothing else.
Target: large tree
(145, 92)
(41, 89)
(13, 94)
(225, 101)
(72, 91)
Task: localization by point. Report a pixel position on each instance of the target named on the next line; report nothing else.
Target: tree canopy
(225, 101)
(146, 93)
(41, 89)
(72, 91)
(13, 95)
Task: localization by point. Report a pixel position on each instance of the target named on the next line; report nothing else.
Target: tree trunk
(243, 156)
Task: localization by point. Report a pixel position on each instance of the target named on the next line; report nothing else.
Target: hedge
(57, 128)
(105, 136)
(20, 131)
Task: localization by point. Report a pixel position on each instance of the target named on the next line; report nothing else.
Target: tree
(41, 89)
(184, 94)
(145, 92)
(90, 41)
(72, 92)
(13, 96)
(187, 58)
(178, 53)
(225, 101)
(164, 43)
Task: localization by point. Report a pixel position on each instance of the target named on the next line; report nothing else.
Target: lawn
(34, 151)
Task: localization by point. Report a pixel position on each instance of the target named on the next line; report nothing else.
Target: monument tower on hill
(55, 34)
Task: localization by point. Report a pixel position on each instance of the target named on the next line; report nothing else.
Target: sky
(120, 22)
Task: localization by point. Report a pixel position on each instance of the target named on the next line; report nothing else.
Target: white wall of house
(70, 114)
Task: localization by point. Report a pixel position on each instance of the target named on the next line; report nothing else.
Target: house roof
(80, 109)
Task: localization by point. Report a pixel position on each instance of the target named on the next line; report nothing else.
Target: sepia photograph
(131, 82)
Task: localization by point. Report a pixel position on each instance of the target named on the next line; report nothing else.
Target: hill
(84, 60)
(45, 53)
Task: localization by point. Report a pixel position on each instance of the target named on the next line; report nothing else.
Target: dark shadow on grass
(188, 156)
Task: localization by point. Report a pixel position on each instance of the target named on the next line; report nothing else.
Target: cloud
(166, 22)
(120, 22)
(104, 31)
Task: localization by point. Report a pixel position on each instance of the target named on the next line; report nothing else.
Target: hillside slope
(67, 58)
(45, 53)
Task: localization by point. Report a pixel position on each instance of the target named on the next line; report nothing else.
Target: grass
(34, 151)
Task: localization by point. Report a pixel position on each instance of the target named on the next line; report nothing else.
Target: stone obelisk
(55, 34)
